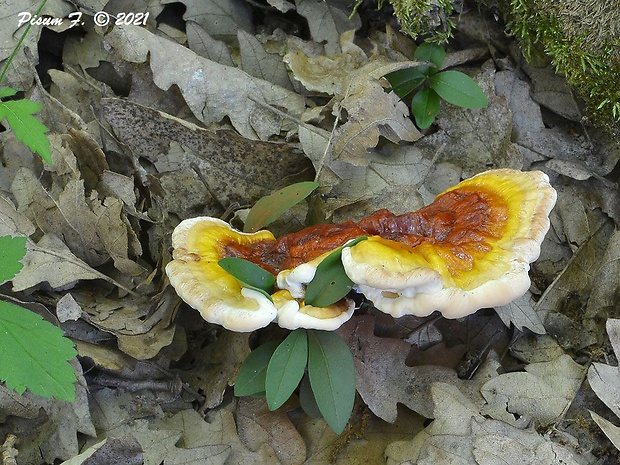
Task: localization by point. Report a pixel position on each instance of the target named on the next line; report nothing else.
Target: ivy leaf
(425, 106)
(12, 250)
(251, 377)
(34, 354)
(405, 81)
(249, 274)
(271, 207)
(286, 368)
(330, 282)
(433, 53)
(332, 377)
(26, 127)
(459, 89)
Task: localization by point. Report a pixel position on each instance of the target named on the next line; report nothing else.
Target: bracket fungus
(199, 243)
(469, 249)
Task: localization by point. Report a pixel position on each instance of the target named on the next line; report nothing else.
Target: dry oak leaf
(355, 82)
(460, 435)
(543, 392)
(211, 90)
(237, 169)
(383, 379)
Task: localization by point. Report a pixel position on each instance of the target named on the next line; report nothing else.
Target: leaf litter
(282, 107)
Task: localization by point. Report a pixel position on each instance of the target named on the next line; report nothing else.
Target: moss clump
(582, 37)
(430, 18)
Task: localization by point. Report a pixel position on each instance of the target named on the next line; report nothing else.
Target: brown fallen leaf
(258, 425)
(383, 379)
(460, 435)
(217, 365)
(237, 169)
(231, 95)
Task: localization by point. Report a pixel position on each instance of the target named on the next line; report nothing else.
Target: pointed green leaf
(405, 81)
(458, 89)
(332, 377)
(286, 368)
(249, 274)
(307, 400)
(34, 354)
(7, 92)
(330, 282)
(12, 250)
(430, 52)
(26, 127)
(271, 207)
(425, 106)
(251, 377)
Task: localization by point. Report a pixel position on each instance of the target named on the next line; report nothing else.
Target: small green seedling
(319, 362)
(330, 282)
(249, 275)
(18, 113)
(33, 353)
(276, 369)
(271, 207)
(431, 85)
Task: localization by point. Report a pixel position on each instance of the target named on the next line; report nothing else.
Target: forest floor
(193, 114)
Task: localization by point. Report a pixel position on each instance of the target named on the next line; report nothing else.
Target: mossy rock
(434, 20)
(582, 38)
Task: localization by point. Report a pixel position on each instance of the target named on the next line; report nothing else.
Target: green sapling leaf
(27, 128)
(307, 400)
(7, 92)
(405, 81)
(286, 368)
(271, 207)
(12, 250)
(432, 53)
(332, 377)
(425, 106)
(34, 354)
(249, 274)
(330, 282)
(459, 89)
(251, 377)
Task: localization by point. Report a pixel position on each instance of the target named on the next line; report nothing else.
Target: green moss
(429, 18)
(582, 38)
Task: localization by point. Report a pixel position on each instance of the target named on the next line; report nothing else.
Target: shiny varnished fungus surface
(471, 248)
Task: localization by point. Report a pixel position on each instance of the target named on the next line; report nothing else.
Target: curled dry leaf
(231, 95)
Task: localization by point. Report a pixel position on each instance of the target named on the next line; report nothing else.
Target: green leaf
(7, 92)
(330, 282)
(249, 274)
(307, 400)
(251, 377)
(332, 377)
(12, 250)
(271, 207)
(405, 81)
(433, 53)
(26, 127)
(286, 368)
(425, 106)
(459, 89)
(34, 354)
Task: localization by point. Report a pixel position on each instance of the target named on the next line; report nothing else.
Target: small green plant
(320, 360)
(18, 113)
(33, 353)
(276, 369)
(431, 85)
